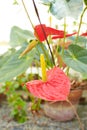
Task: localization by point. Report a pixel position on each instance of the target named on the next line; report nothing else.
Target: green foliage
(85, 1)
(15, 91)
(41, 48)
(13, 66)
(76, 58)
(15, 2)
(63, 8)
(18, 36)
(67, 0)
(12, 91)
(82, 41)
(10, 63)
(35, 104)
(19, 110)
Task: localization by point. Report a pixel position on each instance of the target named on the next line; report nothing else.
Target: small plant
(15, 99)
(17, 96)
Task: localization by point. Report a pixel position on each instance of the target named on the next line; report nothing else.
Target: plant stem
(64, 30)
(80, 24)
(80, 123)
(27, 14)
(44, 32)
(67, 70)
(61, 63)
(64, 35)
(41, 27)
(46, 53)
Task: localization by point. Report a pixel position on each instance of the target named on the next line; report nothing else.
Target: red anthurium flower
(48, 31)
(84, 34)
(62, 36)
(56, 88)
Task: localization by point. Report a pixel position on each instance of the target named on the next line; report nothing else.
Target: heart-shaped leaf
(76, 58)
(63, 8)
(82, 41)
(13, 66)
(18, 36)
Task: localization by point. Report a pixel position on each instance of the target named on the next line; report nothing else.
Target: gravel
(40, 122)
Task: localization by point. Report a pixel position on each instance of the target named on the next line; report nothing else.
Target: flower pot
(62, 110)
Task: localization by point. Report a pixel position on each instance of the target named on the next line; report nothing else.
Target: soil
(39, 121)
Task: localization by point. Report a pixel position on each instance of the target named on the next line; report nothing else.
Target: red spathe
(56, 88)
(42, 32)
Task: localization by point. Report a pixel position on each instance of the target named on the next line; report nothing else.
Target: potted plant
(55, 89)
(42, 89)
(55, 85)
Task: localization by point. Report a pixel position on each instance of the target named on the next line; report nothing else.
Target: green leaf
(15, 2)
(82, 41)
(85, 1)
(18, 36)
(42, 49)
(76, 58)
(63, 8)
(84, 76)
(5, 56)
(13, 66)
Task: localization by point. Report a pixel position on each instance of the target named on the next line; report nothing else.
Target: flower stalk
(80, 23)
(80, 123)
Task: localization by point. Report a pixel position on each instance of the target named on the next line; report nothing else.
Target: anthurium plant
(12, 66)
(43, 47)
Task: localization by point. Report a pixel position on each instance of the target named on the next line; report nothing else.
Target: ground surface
(40, 122)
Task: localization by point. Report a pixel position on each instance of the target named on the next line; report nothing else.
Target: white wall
(11, 15)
